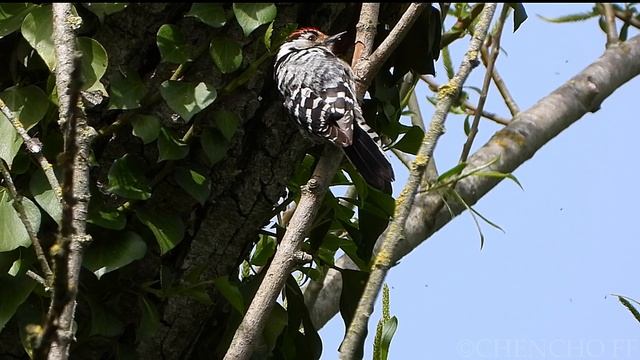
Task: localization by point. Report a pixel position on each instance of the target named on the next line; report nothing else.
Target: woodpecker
(319, 92)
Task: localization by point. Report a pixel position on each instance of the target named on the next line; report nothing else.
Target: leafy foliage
(628, 303)
(165, 121)
(251, 16)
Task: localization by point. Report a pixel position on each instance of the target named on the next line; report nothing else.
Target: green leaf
(149, 319)
(274, 38)
(456, 170)
(194, 183)
(265, 249)
(411, 141)
(210, 14)
(467, 126)
(15, 267)
(353, 283)
(104, 9)
(268, 34)
(230, 292)
(187, 99)
(227, 122)
(499, 175)
(11, 16)
(107, 255)
(105, 217)
(626, 303)
(307, 342)
(486, 219)
(172, 44)
(37, 29)
(226, 54)
(126, 178)
(624, 32)
(446, 61)
(93, 64)
(313, 273)
(29, 104)
(167, 229)
(571, 18)
(474, 88)
(214, 144)
(126, 91)
(519, 15)
(388, 330)
(16, 291)
(146, 127)
(251, 15)
(473, 216)
(104, 322)
(12, 231)
(45, 196)
(276, 323)
(169, 147)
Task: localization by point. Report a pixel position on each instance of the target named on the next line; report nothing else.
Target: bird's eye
(312, 36)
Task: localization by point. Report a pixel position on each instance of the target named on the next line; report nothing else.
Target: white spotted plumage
(319, 92)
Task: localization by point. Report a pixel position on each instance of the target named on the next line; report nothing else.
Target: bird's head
(307, 37)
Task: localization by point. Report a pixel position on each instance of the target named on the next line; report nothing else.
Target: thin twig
(366, 68)
(513, 107)
(33, 233)
(34, 146)
(416, 119)
(495, 51)
(57, 332)
(39, 279)
(405, 159)
(471, 109)
(383, 260)
(627, 16)
(254, 320)
(148, 100)
(416, 114)
(610, 17)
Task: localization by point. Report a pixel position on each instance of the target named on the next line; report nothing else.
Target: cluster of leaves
(627, 12)
(122, 227)
(125, 229)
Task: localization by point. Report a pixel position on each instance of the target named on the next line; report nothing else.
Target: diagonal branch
(283, 261)
(19, 206)
(468, 106)
(512, 146)
(34, 146)
(627, 16)
(495, 51)
(501, 85)
(368, 66)
(384, 258)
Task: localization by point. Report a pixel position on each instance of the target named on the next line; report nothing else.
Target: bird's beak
(331, 40)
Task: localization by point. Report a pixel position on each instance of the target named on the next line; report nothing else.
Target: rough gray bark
(245, 185)
(513, 145)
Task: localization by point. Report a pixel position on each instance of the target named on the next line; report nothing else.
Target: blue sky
(541, 290)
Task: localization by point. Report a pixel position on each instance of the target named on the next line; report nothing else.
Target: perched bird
(319, 92)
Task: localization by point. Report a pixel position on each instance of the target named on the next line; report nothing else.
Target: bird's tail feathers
(369, 160)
